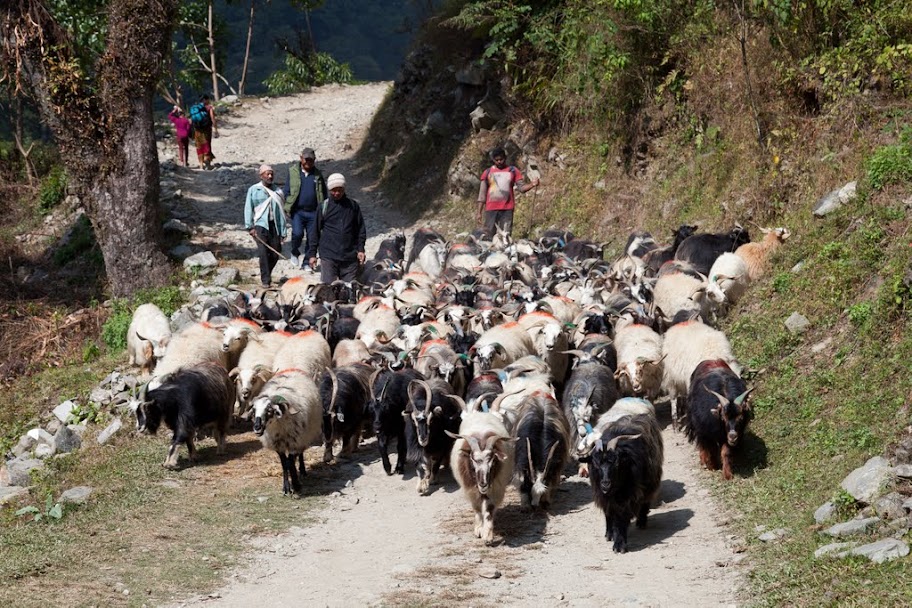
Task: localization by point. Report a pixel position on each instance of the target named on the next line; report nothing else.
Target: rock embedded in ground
(75, 496)
(797, 323)
(835, 199)
(9, 494)
(852, 527)
(65, 440)
(825, 512)
(62, 411)
(225, 276)
(19, 470)
(834, 549)
(773, 535)
(43, 450)
(41, 436)
(882, 551)
(175, 225)
(100, 395)
(890, 506)
(865, 483)
(26, 444)
(109, 431)
(903, 470)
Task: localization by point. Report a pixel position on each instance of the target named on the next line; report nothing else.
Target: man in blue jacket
(339, 236)
(304, 189)
(264, 219)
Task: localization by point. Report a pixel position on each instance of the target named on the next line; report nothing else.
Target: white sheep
(197, 343)
(236, 335)
(432, 259)
(349, 352)
(676, 292)
(500, 346)
(549, 339)
(684, 347)
(728, 281)
(148, 337)
(254, 367)
(288, 418)
(756, 255)
(307, 351)
(639, 361)
(379, 324)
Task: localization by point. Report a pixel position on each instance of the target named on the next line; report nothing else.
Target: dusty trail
(378, 542)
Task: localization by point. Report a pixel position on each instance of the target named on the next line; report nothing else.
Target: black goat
(542, 444)
(656, 257)
(188, 400)
(344, 393)
(701, 250)
(392, 248)
(717, 413)
(625, 470)
(581, 249)
(389, 396)
(343, 328)
(430, 413)
(487, 383)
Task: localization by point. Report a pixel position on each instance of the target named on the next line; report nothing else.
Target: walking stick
(266, 245)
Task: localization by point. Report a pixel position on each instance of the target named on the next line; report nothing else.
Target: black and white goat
(542, 449)
(287, 417)
(188, 400)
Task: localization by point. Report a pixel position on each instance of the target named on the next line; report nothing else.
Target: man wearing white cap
(340, 235)
(264, 219)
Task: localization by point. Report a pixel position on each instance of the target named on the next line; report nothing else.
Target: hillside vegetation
(645, 114)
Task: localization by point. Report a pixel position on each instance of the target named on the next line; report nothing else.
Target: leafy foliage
(301, 74)
(53, 189)
(891, 164)
(51, 510)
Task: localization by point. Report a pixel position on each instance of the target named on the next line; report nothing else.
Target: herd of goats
(501, 359)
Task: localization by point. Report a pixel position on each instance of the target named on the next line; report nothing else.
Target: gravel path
(378, 542)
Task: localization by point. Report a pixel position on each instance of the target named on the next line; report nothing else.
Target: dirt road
(378, 542)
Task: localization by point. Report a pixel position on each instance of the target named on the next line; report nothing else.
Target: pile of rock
(883, 513)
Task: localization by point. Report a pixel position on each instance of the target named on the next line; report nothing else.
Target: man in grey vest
(304, 189)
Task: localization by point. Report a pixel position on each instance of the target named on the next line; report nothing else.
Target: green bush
(299, 75)
(114, 330)
(889, 165)
(53, 189)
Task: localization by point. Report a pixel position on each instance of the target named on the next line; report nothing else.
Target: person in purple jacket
(182, 128)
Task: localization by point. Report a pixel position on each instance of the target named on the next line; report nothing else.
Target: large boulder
(836, 199)
(20, 469)
(866, 482)
(882, 551)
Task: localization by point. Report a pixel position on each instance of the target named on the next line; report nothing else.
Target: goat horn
(529, 454)
(722, 400)
(550, 454)
(335, 387)
(459, 400)
(492, 439)
(613, 443)
(739, 400)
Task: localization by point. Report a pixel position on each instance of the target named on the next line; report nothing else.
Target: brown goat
(756, 255)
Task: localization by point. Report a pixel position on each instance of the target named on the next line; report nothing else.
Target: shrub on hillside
(53, 189)
(299, 74)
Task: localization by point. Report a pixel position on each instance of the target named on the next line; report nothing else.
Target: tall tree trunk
(247, 49)
(102, 123)
(215, 91)
(310, 34)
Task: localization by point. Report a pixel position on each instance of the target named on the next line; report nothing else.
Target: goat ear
(438, 411)
(233, 374)
(717, 412)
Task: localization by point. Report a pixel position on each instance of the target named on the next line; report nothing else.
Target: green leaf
(56, 511)
(26, 510)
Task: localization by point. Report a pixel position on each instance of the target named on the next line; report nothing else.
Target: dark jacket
(340, 232)
(292, 189)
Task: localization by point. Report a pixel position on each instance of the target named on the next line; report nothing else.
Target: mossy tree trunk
(100, 110)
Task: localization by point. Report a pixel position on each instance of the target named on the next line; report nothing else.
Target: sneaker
(295, 261)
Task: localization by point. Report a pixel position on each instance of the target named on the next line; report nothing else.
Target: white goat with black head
(288, 417)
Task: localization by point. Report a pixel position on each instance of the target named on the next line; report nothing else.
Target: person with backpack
(304, 190)
(495, 196)
(340, 235)
(264, 219)
(202, 116)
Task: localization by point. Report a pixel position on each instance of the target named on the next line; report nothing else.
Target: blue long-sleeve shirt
(256, 195)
